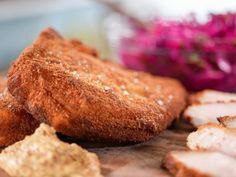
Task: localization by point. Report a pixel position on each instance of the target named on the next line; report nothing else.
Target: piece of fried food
(44, 155)
(15, 122)
(83, 97)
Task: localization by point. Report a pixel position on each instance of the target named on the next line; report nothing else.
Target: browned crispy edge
(187, 117)
(83, 48)
(201, 127)
(223, 120)
(194, 97)
(213, 125)
(3, 173)
(15, 122)
(178, 169)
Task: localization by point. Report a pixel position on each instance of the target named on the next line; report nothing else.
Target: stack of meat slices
(213, 146)
(209, 105)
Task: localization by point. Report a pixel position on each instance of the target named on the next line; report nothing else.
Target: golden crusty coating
(83, 48)
(3, 173)
(15, 122)
(83, 97)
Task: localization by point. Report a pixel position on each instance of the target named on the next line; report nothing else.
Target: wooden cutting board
(138, 160)
(145, 159)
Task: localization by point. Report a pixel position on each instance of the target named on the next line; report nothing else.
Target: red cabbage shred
(200, 55)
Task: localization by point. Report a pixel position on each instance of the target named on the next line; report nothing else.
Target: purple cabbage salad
(200, 55)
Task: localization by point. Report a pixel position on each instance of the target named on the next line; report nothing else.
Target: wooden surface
(138, 160)
(142, 160)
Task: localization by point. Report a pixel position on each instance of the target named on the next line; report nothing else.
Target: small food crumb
(160, 102)
(107, 88)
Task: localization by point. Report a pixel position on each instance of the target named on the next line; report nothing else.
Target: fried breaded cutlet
(84, 97)
(15, 122)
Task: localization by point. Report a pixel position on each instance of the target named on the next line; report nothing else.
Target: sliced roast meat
(200, 114)
(215, 138)
(200, 164)
(212, 96)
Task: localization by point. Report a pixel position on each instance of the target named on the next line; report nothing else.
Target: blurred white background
(22, 20)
